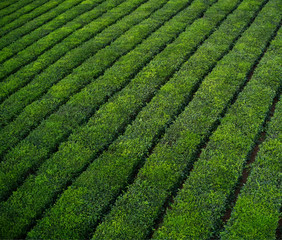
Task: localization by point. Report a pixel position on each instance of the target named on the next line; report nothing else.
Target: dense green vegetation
(160, 173)
(52, 19)
(21, 19)
(94, 94)
(200, 204)
(256, 212)
(5, 4)
(135, 119)
(23, 11)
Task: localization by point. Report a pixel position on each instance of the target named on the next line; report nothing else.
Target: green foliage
(256, 213)
(44, 57)
(101, 130)
(124, 154)
(81, 75)
(21, 19)
(6, 4)
(76, 38)
(101, 94)
(197, 210)
(134, 213)
(73, 113)
(21, 10)
(33, 30)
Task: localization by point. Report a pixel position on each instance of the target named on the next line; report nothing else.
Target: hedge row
(256, 213)
(67, 64)
(22, 19)
(72, 10)
(198, 209)
(6, 3)
(24, 11)
(64, 66)
(52, 20)
(39, 50)
(73, 113)
(15, 8)
(39, 190)
(124, 155)
(136, 212)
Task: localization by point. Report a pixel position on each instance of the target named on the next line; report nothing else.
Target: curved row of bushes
(22, 37)
(198, 209)
(21, 19)
(103, 31)
(19, 9)
(6, 4)
(256, 213)
(87, 200)
(82, 105)
(73, 36)
(40, 189)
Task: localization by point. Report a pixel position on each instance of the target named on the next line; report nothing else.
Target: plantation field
(140, 119)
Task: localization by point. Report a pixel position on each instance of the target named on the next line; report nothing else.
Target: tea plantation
(140, 119)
